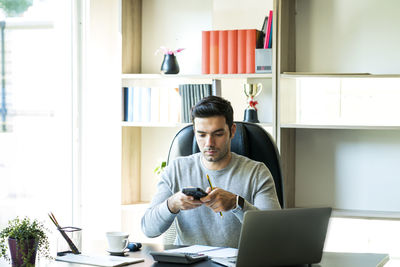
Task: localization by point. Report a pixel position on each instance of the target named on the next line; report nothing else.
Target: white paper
(98, 260)
(220, 252)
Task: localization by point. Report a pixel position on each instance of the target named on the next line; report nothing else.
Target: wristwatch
(239, 203)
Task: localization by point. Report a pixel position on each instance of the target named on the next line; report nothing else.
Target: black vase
(169, 65)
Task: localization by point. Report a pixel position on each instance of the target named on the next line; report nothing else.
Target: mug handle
(126, 243)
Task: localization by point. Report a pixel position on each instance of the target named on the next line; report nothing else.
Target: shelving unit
(337, 124)
(144, 144)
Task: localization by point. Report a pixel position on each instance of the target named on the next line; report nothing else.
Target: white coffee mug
(117, 241)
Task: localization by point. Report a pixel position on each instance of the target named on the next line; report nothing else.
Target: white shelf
(295, 75)
(366, 214)
(337, 126)
(140, 76)
(153, 124)
(169, 124)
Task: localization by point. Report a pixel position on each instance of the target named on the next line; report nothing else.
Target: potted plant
(25, 238)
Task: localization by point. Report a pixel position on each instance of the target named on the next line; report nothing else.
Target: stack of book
(229, 51)
(191, 94)
(233, 51)
(155, 105)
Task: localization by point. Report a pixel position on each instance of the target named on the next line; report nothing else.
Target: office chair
(250, 140)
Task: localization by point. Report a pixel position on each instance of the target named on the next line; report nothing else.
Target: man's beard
(220, 154)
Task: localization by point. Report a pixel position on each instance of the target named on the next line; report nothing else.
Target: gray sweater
(250, 179)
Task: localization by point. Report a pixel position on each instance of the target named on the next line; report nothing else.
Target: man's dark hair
(211, 106)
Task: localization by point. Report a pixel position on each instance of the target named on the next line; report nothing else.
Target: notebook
(98, 260)
(281, 237)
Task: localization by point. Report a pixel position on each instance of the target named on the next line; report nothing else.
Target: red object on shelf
(268, 33)
(251, 41)
(223, 52)
(232, 51)
(242, 51)
(214, 36)
(205, 56)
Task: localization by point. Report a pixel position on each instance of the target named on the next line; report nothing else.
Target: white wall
(348, 169)
(174, 24)
(351, 169)
(348, 36)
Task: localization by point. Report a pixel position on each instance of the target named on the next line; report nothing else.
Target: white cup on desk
(117, 241)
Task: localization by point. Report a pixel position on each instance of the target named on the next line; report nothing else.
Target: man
(240, 184)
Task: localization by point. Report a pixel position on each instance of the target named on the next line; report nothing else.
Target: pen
(212, 188)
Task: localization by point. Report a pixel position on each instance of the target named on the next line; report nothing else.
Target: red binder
(232, 51)
(214, 35)
(205, 56)
(241, 51)
(223, 52)
(251, 40)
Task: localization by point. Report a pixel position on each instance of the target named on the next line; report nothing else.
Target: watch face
(240, 202)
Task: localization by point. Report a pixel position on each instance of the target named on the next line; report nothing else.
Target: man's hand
(219, 200)
(180, 201)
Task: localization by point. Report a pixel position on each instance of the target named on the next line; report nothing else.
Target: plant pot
(169, 65)
(21, 250)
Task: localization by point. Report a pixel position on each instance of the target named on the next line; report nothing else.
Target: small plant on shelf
(167, 51)
(25, 238)
(160, 168)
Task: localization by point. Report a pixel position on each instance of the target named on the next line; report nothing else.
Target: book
(183, 101)
(186, 108)
(241, 51)
(214, 35)
(216, 87)
(251, 41)
(261, 36)
(137, 104)
(197, 89)
(223, 52)
(270, 36)
(98, 260)
(269, 28)
(174, 104)
(232, 51)
(146, 104)
(124, 103)
(164, 110)
(205, 55)
(155, 105)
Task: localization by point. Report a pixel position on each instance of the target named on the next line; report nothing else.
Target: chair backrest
(250, 140)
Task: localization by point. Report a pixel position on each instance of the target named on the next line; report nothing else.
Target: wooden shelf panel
(337, 126)
(140, 76)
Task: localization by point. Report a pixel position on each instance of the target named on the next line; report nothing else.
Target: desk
(329, 259)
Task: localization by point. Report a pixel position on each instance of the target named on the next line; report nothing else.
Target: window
(36, 133)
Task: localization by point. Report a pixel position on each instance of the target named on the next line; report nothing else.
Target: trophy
(251, 90)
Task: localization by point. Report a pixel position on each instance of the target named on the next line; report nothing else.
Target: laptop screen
(283, 237)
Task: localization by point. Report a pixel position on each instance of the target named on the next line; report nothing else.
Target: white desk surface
(335, 259)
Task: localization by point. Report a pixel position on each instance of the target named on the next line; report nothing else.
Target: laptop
(281, 237)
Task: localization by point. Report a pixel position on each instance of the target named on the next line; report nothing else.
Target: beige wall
(100, 120)
(348, 36)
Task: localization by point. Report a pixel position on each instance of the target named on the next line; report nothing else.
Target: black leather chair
(250, 140)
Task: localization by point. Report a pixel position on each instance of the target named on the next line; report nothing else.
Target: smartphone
(195, 192)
